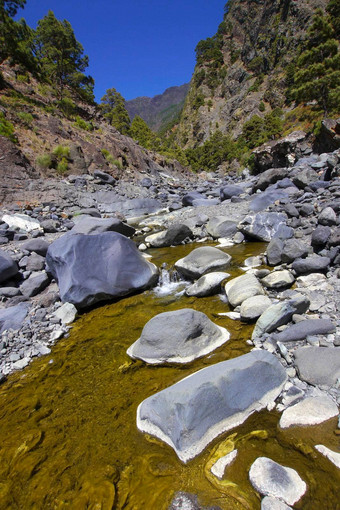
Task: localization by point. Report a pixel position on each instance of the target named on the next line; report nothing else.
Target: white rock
(21, 221)
(21, 363)
(269, 503)
(271, 479)
(56, 335)
(309, 411)
(332, 456)
(66, 313)
(219, 467)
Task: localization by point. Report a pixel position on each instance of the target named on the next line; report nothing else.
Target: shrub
(87, 126)
(44, 161)
(262, 107)
(67, 106)
(25, 118)
(23, 78)
(110, 159)
(62, 166)
(61, 151)
(7, 129)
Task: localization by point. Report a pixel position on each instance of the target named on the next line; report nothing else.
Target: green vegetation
(44, 161)
(61, 151)
(113, 108)
(258, 130)
(110, 159)
(7, 128)
(26, 119)
(82, 124)
(62, 166)
(68, 107)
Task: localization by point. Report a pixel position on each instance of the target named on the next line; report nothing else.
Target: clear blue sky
(139, 47)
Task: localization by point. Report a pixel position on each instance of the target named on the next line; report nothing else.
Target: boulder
(177, 337)
(302, 177)
(173, 236)
(194, 411)
(201, 261)
(36, 283)
(304, 328)
(279, 314)
(13, 317)
(278, 279)
(38, 246)
(274, 251)
(132, 208)
(8, 267)
(278, 153)
(269, 177)
(230, 191)
(66, 313)
(91, 225)
(318, 365)
(221, 226)
(270, 503)
(188, 199)
(332, 456)
(21, 222)
(253, 307)
(266, 225)
(263, 200)
(104, 177)
(50, 226)
(293, 249)
(94, 268)
(309, 411)
(311, 264)
(35, 262)
(208, 285)
(271, 479)
(241, 288)
(327, 217)
(320, 236)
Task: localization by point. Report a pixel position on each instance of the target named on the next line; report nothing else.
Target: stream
(68, 421)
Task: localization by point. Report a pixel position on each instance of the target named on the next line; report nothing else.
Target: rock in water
(271, 479)
(192, 412)
(201, 261)
(177, 337)
(93, 268)
(208, 285)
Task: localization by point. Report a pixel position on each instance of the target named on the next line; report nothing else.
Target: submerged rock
(93, 268)
(327, 452)
(208, 285)
(192, 412)
(201, 261)
(271, 479)
(270, 503)
(178, 337)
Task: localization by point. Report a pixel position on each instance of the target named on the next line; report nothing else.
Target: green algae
(68, 422)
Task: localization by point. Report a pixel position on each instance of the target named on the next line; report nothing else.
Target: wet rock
(201, 261)
(38, 246)
(21, 222)
(218, 468)
(241, 288)
(253, 307)
(207, 285)
(311, 264)
(212, 401)
(304, 328)
(265, 225)
(221, 226)
(186, 501)
(327, 217)
(93, 268)
(279, 314)
(8, 266)
(318, 365)
(271, 479)
(36, 283)
(278, 153)
(90, 225)
(13, 317)
(334, 457)
(309, 411)
(278, 279)
(177, 337)
(173, 236)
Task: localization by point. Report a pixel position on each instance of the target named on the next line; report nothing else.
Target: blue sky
(139, 47)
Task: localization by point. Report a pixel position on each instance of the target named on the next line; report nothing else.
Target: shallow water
(68, 422)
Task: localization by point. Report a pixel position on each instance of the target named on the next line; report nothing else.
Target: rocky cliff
(241, 70)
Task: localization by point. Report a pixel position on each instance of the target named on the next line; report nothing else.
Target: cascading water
(169, 282)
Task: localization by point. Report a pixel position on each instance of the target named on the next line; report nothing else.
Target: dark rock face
(8, 267)
(312, 264)
(275, 154)
(264, 226)
(90, 225)
(230, 191)
(93, 268)
(213, 402)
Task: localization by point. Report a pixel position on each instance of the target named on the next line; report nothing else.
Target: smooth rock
(302, 329)
(66, 313)
(178, 337)
(208, 285)
(309, 411)
(327, 217)
(192, 412)
(221, 226)
(173, 236)
(38, 246)
(253, 307)
(91, 225)
(270, 503)
(241, 288)
(263, 200)
(278, 279)
(318, 365)
(21, 222)
(201, 261)
(219, 467)
(327, 452)
(188, 199)
(13, 317)
(94, 268)
(36, 283)
(8, 267)
(229, 191)
(271, 479)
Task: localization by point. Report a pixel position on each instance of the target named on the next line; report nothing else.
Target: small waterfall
(169, 282)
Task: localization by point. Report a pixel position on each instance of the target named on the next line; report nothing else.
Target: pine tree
(141, 132)
(13, 35)
(318, 68)
(114, 110)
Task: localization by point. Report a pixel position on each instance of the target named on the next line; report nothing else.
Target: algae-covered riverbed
(68, 422)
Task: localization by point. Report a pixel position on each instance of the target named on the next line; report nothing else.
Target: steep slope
(241, 70)
(159, 110)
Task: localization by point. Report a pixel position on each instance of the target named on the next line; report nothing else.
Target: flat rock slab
(201, 261)
(191, 413)
(13, 317)
(309, 411)
(94, 268)
(241, 288)
(318, 365)
(177, 337)
(208, 285)
(302, 329)
(271, 479)
(334, 457)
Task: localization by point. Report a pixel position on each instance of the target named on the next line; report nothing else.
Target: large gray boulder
(173, 236)
(253, 307)
(241, 288)
(201, 261)
(37, 282)
(279, 314)
(208, 285)
(94, 268)
(269, 177)
(229, 191)
(192, 412)
(8, 267)
(311, 264)
(177, 337)
(302, 329)
(13, 317)
(266, 225)
(271, 479)
(318, 365)
(278, 279)
(91, 225)
(221, 226)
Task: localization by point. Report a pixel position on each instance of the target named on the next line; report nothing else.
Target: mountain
(160, 110)
(242, 70)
